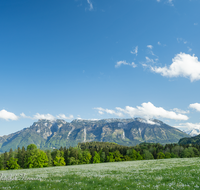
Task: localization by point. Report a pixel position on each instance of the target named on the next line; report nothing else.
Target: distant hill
(129, 132)
(191, 140)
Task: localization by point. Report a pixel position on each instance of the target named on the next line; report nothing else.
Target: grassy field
(148, 174)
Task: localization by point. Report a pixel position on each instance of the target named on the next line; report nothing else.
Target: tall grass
(179, 173)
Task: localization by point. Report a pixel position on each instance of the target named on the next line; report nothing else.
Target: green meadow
(176, 173)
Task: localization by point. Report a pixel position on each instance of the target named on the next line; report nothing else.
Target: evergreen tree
(22, 157)
(5, 159)
(102, 156)
(1, 162)
(11, 153)
(66, 156)
(50, 160)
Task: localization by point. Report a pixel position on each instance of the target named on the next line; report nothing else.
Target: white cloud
(148, 110)
(159, 43)
(112, 112)
(195, 106)
(144, 65)
(188, 126)
(150, 46)
(195, 24)
(135, 51)
(90, 4)
(44, 116)
(63, 116)
(119, 63)
(24, 116)
(7, 115)
(183, 65)
(180, 111)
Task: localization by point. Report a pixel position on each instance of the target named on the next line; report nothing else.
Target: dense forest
(93, 152)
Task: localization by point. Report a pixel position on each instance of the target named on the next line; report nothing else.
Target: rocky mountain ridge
(48, 134)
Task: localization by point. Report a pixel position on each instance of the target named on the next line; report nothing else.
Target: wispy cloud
(44, 116)
(160, 44)
(181, 111)
(148, 60)
(166, 1)
(170, 2)
(7, 115)
(108, 111)
(119, 63)
(63, 116)
(135, 51)
(181, 40)
(150, 46)
(90, 4)
(47, 116)
(183, 65)
(189, 49)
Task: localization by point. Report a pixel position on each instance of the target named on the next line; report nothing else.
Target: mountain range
(47, 134)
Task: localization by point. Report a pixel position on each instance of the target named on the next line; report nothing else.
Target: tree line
(92, 152)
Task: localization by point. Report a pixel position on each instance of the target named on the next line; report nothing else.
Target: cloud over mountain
(146, 110)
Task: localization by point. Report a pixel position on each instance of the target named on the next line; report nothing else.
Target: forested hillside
(93, 152)
(191, 140)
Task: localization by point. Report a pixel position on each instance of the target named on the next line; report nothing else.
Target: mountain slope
(129, 132)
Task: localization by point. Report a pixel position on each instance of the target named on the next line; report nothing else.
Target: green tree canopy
(59, 161)
(12, 163)
(160, 155)
(96, 158)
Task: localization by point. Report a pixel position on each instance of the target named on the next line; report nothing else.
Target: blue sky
(94, 59)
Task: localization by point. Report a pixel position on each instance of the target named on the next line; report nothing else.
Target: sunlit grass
(152, 174)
